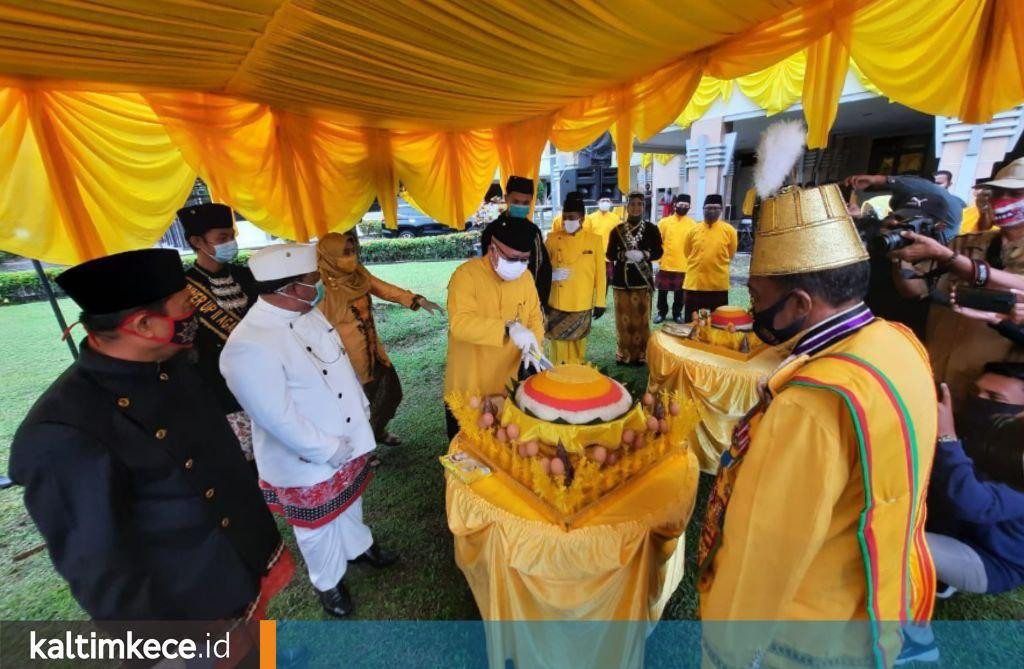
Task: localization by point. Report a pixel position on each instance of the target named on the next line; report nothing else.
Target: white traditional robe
(291, 374)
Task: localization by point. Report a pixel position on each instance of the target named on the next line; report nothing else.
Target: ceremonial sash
(211, 315)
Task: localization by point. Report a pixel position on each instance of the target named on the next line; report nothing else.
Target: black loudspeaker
(592, 182)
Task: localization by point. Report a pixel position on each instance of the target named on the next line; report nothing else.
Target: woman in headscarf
(347, 304)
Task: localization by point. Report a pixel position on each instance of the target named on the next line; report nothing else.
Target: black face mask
(681, 211)
(977, 418)
(764, 324)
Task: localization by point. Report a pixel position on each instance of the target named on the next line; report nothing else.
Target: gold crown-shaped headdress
(805, 230)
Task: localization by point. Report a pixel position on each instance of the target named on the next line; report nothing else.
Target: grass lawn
(404, 505)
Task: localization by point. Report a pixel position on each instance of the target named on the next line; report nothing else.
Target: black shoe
(376, 556)
(659, 318)
(678, 319)
(336, 601)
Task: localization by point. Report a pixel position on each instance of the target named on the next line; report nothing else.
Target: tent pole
(48, 289)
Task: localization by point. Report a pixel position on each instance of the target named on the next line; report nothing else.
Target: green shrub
(24, 286)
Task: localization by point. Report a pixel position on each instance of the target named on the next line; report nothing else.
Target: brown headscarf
(340, 287)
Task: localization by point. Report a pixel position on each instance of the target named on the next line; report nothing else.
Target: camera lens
(887, 242)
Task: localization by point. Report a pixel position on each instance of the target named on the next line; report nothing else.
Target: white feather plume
(781, 146)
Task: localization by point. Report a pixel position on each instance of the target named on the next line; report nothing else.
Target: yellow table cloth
(723, 388)
(621, 561)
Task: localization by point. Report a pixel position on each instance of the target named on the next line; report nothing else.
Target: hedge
(23, 286)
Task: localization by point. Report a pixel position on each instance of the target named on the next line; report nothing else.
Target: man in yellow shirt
(601, 223)
(672, 267)
(817, 513)
(709, 248)
(494, 318)
(578, 283)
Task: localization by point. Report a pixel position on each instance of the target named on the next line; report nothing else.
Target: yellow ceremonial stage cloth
(621, 561)
(723, 388)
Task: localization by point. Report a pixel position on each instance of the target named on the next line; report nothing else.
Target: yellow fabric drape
(622, 563)
(647, 159)
(84, 174)
(301, 112)
(723, 389)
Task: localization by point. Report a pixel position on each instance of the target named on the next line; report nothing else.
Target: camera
(889, 237)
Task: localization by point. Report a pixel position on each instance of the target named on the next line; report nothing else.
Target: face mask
(604, 206)
(571, 225)
(510, 270)
(633, 219)
(183, 330)
(711, 216)
(977, 418)
(225, 252)
(319, 286)
(1009, 211)
(764, 324)
(348, 263)
(681, 210)
(519, 210)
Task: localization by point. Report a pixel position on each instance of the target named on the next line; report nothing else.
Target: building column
(709, 153)
(971, 151)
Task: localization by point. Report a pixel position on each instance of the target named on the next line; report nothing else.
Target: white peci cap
(283, 260)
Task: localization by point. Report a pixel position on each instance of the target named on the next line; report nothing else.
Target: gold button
(189, 463)
(224, 522)
(163, 376)
(161, 433)
(209, 493)
(123, 402)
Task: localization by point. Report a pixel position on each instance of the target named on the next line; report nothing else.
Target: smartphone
(983, 299)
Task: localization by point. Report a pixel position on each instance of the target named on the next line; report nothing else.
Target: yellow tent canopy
(299, 112)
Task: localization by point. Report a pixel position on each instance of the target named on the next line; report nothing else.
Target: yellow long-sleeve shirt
(481, 359)
(709, 250)
(674, 230)
(789, 545)
(601, 223)
(583, 256)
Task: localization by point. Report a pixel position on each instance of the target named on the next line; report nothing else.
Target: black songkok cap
(714, 198)
(124, 280)
(516, 233)
(199, 218)
(519, 185)
(574, 202)
(682, 197)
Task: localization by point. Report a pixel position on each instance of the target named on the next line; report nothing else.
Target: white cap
(283, 260)
(1010, 177)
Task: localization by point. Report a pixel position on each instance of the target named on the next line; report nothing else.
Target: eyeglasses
(519, 260)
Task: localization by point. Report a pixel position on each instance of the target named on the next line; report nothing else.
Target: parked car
(411, 223)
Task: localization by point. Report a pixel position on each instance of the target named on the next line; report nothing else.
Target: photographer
(913, 192)
(959, 346)
(891, 294)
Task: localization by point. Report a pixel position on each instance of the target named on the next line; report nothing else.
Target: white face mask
(510, 270)
(571, 225)
(604, 205)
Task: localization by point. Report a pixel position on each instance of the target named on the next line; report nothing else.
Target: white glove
(560, 274)
(343, 454)
(530, 360)
(522, 337)
(634, 255)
